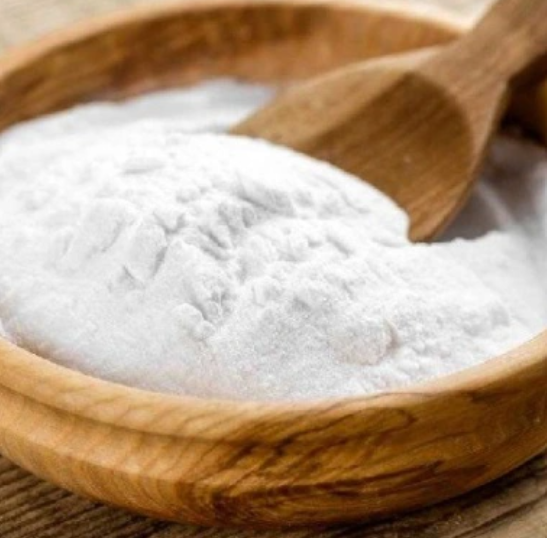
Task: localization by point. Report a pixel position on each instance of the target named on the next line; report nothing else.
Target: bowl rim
(110, 403)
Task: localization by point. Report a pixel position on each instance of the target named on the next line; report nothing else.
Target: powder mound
(219, 266)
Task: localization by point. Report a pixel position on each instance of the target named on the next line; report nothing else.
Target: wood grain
(513, 507)
(76, 396)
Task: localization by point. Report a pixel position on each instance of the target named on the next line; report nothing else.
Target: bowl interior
(141, 50)
(137, 51)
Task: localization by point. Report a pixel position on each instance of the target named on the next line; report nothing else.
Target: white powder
(212, 265)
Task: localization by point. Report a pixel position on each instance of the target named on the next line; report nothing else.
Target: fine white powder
(141, 248)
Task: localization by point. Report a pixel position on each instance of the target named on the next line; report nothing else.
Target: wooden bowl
(250, 464)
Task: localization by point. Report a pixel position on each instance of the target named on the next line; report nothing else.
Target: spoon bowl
(355, 119)
(250, 464)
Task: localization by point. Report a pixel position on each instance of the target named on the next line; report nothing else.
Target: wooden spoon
(417, 125)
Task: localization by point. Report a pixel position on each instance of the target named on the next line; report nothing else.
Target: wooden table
(513, 507)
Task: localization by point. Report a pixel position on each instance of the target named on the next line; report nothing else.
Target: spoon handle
(510, 42)
(508, 47)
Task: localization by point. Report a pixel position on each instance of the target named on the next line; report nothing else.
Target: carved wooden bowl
(250, 464)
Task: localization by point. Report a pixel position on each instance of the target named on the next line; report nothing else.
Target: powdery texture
(211, 265)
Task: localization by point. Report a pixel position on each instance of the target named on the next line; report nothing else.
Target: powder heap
(145, 250)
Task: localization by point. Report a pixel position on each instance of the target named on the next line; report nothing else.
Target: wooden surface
(510, 508)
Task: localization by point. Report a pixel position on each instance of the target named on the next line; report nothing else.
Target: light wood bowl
(250, 464)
